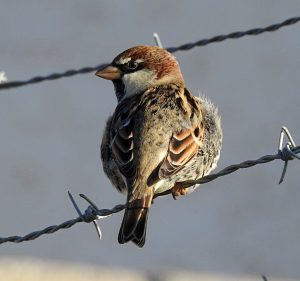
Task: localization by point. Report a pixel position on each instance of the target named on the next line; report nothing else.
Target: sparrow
(158, 136)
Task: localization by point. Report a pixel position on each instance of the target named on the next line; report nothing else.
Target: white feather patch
(137, 82)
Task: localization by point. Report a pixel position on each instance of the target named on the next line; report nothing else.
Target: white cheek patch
(137, 82)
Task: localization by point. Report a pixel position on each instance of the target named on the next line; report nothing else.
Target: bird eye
(130, 66)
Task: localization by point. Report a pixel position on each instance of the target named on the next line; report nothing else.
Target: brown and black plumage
(159, 135)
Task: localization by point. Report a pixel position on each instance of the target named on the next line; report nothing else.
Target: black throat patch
(119, 88)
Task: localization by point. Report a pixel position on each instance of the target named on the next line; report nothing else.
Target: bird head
(140, 68)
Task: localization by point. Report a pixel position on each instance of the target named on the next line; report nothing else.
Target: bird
(158, 136)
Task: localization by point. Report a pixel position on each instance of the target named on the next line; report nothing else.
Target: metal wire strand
(184, 47)
(92, 213)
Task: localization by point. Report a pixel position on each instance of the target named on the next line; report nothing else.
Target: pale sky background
(244, 223)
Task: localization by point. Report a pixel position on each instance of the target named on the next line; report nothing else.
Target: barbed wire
(184, 47)
(93, 213)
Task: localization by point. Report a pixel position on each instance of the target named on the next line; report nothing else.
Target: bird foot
(178, 190)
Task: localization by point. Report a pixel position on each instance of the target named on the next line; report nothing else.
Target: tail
(134, 222)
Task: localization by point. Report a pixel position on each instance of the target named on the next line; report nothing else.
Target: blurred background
(240, 225)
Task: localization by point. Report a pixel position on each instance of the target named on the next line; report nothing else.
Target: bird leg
(178, 190)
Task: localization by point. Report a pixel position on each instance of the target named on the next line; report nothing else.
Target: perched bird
(158, 136)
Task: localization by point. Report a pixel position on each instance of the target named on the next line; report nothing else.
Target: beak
(109, 72)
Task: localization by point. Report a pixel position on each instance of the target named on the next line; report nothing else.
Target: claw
(178, 190)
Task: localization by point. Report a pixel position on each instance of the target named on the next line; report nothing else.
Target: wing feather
(185, 143)
(122, 138)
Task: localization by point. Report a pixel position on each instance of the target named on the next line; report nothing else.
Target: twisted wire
(53, 76)
(233, 168)
(92, 213)
(234, 35)
(87, 217)
(184, 47)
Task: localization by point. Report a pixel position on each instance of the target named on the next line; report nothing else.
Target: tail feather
(140, 230)
(134, 222)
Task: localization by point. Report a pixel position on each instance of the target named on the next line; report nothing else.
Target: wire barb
(92, 213)
(184, 47)
(3, 78)
(286, 152)
(157, 40)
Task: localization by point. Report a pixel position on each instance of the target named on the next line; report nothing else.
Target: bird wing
(185, 142)
(184, 145)
(122, 142)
